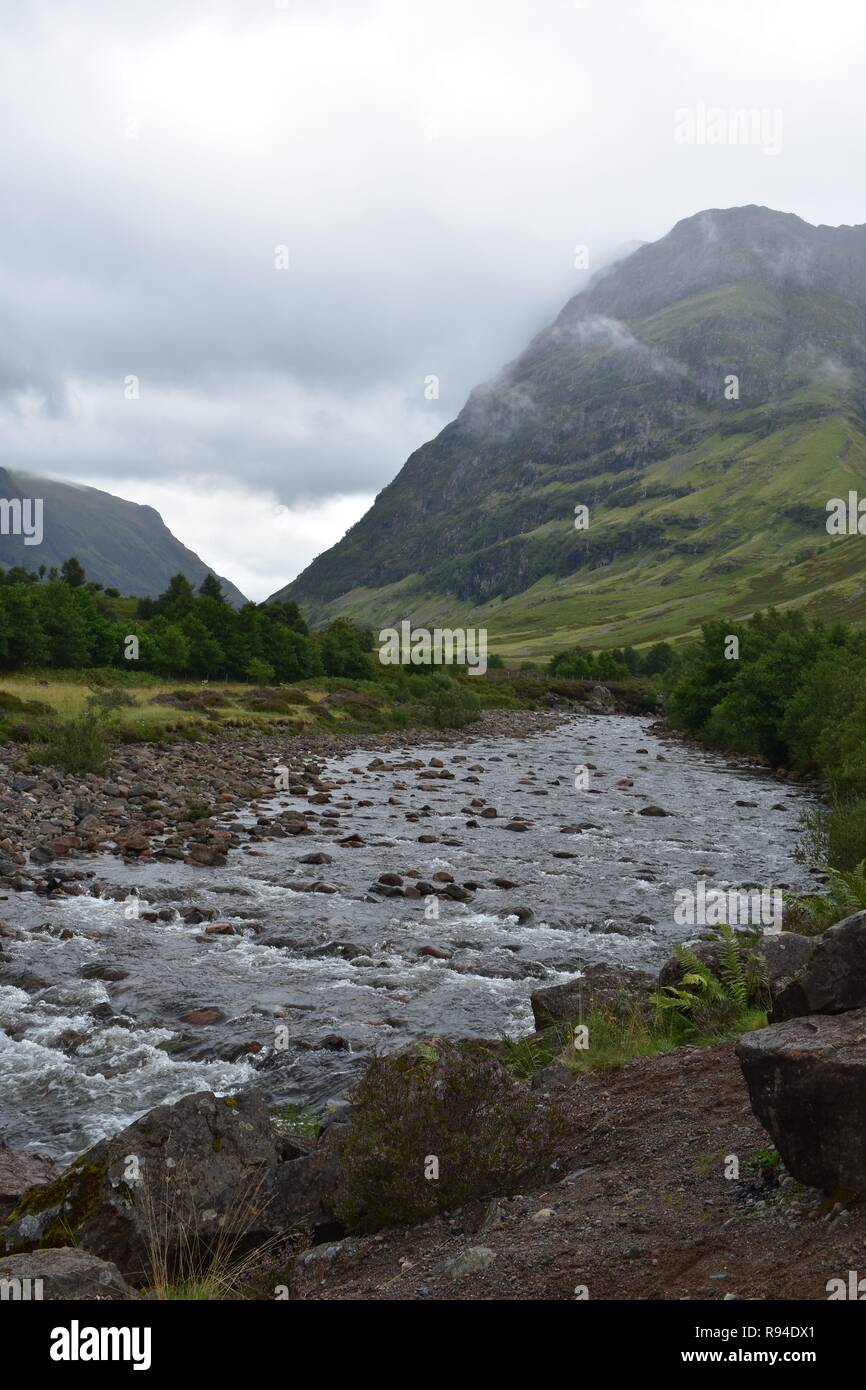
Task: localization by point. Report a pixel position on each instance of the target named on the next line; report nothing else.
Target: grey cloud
(431, 170)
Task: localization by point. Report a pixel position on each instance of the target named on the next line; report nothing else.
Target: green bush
(454, 1104)
(80, 743)
(846, 833)
(451, 704)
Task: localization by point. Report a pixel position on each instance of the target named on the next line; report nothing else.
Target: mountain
(121, 544)
(699, 505)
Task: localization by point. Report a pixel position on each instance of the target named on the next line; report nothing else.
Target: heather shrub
(435, 1127)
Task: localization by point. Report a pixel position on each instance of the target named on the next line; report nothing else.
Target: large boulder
(832, 978)
(600, 987)
(61, 1274)
(807, 1085)
(209, 1171)
(781, 954)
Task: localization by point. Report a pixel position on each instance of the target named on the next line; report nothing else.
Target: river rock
(203, 1018)
(208, 856)
(208, 1166)
(832, 977)
(63, 1274)
(600, 987)
(807, 1084)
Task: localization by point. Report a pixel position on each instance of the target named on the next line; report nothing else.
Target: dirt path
(645, 1211)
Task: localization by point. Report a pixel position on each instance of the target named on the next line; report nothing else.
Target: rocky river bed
(212, 917)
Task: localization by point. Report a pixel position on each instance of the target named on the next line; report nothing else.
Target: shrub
(453, 1104)
(80, 743)
(452, 705)
(846, 833)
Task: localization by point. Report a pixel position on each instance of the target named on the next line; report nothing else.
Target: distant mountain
(121, 544)
(706, 495)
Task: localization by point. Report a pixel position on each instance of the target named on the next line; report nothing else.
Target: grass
(80, 743)
(65, 696)
(615, 1038)
(296, 1119)
(184, 1264)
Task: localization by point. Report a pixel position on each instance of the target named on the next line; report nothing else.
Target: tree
(205, 653)
(178, 598)
(26, 643)
(65, 622)
(288, 613)
(166, 648)
(210, 587)
(260, 672)
(342, 654)
(72, 572)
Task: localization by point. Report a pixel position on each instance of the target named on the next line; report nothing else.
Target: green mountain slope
(699, 505)
(122, 545)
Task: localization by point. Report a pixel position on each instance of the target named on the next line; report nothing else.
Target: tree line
(59, 620)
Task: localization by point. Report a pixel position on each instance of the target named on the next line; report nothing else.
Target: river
(81, 1056)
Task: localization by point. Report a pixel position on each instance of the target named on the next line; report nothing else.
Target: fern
(846, 894)
(706, 1001)
(732, 970)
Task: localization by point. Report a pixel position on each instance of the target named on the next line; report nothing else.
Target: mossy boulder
(176, 1185)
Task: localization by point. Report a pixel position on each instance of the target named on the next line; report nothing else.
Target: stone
(600, 987)
(19, 1170)
(833, 976)
(523, 914)
(103, 971)
(476, 1260)
(63, 1273)
(204, 1169)
(207, 855)
(202, 1018)
(807, 1085)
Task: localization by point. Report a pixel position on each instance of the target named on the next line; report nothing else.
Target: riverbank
(181, 800)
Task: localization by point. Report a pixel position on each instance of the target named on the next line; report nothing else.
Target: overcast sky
(430, 168)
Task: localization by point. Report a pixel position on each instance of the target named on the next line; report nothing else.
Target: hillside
(699, 505)
(121, 544)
